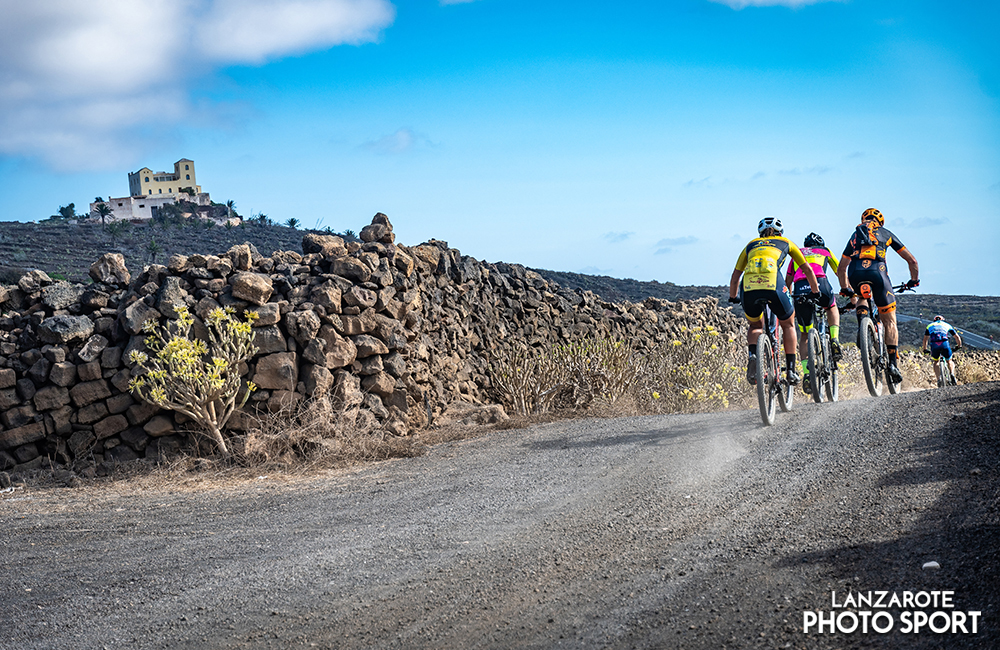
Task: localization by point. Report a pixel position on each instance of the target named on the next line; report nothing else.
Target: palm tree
(153, 249)
(292, 223)
(230, 208)
(104, 211)
(117, 229)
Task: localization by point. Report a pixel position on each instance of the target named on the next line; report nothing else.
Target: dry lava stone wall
(396, 333)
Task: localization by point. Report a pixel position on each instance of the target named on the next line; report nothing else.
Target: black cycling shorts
(804, 317)
(869, 279)
(779, 300)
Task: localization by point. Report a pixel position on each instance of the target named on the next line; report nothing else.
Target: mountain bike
(824, 376)
(945, 378)
(871, 343)
(773, 388)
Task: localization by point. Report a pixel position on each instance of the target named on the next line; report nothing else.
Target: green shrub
(197, 378)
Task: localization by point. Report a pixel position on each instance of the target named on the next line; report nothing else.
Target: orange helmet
(873, 213)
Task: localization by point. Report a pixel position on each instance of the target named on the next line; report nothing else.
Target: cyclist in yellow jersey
(760, 265)
(819, 258)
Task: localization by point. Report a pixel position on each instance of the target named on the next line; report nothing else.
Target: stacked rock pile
(395, 333)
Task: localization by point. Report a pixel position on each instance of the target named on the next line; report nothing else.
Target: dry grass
(317, 434)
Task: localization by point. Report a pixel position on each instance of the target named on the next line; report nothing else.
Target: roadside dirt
(696, 531)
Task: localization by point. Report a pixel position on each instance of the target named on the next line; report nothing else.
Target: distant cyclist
(862, 271)
(818, 257)
(760, 265)
(937, 335)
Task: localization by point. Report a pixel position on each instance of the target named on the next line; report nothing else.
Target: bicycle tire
(870, 357)
(815, 365)
(833, 381)
(765, 380)
(945, 373)
(785, 391)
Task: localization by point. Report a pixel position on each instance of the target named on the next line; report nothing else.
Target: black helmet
(814, 240)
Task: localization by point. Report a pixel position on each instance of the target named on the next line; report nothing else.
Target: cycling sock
(835, 332)
(893, 353)
(790, 361)
(805, 365)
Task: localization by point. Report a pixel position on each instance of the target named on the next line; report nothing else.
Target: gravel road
(694, 531)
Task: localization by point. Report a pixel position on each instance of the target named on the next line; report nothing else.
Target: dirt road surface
(692, 531)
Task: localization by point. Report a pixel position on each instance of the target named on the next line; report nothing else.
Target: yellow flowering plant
(198, 378)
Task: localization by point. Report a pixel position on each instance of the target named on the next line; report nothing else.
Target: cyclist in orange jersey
(863, 263)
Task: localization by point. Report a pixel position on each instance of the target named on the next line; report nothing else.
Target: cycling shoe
(835, 350)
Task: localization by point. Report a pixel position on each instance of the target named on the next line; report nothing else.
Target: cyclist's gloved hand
(815, 296)
(847, 293)
(925, 351)
(912, 283)
(735, 300)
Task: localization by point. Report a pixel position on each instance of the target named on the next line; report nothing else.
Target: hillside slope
(68, 250)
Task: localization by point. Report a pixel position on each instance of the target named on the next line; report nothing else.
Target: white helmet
(770, 222)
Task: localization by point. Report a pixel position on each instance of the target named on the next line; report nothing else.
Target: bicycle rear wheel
(766, 377)
(870, 356)
(815, 365)
(945, 373)
(786, 392)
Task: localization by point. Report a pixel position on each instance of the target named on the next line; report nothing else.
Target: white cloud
(402, 141)
(701, 182)
(794, 4)
(667, 245)
(797, 171)
(257, 30)
(617, 237)
(82, 82)
(922, 222)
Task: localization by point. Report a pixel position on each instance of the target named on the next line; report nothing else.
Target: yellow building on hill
(146, 182)
(149, 191)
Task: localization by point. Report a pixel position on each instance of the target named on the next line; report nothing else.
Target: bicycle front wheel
(815, 365)
(833, 381)
(766, 379)
(870, 356)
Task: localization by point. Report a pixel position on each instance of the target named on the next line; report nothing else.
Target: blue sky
(632, 139)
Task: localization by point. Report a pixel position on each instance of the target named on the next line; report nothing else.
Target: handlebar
(804, 298)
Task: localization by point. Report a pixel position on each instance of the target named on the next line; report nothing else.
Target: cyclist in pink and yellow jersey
(818, 257)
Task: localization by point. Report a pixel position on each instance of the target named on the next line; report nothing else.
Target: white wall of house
(140, 208)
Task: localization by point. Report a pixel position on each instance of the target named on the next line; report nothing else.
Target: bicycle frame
(823, 375)
(944, 374)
